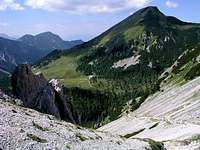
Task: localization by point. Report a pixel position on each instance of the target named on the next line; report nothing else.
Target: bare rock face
(39, 94)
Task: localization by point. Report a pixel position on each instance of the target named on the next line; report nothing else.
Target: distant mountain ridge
(29, 48)
(3, 35)
(14, 52)
(48, 41)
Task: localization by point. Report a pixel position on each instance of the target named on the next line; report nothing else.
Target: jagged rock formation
(37, 93)
(26, 129)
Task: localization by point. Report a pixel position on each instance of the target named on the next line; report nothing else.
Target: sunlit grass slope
(64, 69)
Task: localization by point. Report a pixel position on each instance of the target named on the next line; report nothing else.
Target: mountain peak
(5, 36)
(150, 9)
(155, 8)
(49, 34)
(149, 16)
(147, 12)
(27, 36)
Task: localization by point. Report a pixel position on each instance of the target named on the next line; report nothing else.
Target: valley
(136, 86)
(121, 64)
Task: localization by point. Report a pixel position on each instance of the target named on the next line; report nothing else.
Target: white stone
(56, 85)
(38, 73)
(150, 64)
(167, 38)
(127, 62)
(198, 59)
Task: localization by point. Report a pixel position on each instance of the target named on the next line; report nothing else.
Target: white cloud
(50, 5)
(171, 4)
(86, 6)
(10, 4)
(4, 24)
(137, 3)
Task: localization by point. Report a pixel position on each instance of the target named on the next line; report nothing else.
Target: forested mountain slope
(121, 64)
(14, 52)
(172, 114)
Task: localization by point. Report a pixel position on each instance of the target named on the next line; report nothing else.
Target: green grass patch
(133, 32)
(39, 127)
(67, 146)
(188, 72)
(81, 137)
(155, 145)
(155, 125)
(193, 72)
(64, 69)
(36, 138)
(196, 138)
(128, 32)
(133, 134)
(5, 83)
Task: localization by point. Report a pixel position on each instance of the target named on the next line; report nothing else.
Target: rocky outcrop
(39, 94)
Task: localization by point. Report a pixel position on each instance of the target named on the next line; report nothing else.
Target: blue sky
(81, 19)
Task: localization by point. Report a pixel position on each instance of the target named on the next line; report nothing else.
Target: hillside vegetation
(5, 82)
(186, 68)
(122, 65)
(171, 115)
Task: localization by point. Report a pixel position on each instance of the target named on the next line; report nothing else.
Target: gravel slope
(26, 129)
(171, 116)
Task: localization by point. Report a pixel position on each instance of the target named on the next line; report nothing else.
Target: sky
(82, 19)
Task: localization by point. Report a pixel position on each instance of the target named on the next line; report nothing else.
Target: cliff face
(39, 94)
